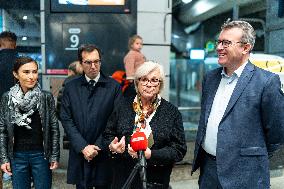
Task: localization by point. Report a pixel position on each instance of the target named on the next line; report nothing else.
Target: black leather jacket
(49, 126)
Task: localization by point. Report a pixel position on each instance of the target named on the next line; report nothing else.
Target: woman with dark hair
(29, 132)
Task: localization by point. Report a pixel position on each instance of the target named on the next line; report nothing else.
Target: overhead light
(175, 36)
(186, 1)
(25, 17)
(24, 38)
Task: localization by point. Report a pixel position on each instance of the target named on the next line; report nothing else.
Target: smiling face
(27, 75)
(234, 55)
(149, 85)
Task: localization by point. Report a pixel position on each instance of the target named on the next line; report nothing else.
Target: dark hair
(21, 61)
(8, 35)
(87, 48)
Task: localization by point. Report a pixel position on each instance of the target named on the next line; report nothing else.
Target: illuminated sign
(197, 54)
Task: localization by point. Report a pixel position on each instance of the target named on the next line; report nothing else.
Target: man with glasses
(87, 103)
(241, 122)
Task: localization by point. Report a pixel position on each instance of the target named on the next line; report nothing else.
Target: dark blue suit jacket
(251, 129)
(84, 116)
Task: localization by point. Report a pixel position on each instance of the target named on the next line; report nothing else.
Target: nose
(93, 65)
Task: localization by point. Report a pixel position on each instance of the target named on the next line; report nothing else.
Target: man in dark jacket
(87, 103)
(8, 55)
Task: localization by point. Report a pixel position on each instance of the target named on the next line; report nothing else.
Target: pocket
(253, 151)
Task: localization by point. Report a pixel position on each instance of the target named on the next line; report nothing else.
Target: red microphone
(139, 141)
(139, 144)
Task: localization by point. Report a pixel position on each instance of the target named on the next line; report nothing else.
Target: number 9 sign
(74, 39)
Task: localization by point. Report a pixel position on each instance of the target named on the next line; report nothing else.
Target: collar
(96, 79)
(237, 72)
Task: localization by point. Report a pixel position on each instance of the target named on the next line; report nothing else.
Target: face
(91, 63)
(27, 76)
(137, 45)
(231, 51)
(149, 85)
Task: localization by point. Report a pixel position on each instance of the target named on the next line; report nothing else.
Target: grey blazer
(251, 129)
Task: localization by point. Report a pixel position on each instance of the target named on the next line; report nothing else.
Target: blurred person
(241, 122)
(133, 59)
(8, 40)
(87, 103)
(8, 55)
(158, 119)
(29, 133)
(75, 70)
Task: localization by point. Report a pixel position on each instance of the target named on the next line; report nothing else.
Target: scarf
(142, 119)
(23, 105)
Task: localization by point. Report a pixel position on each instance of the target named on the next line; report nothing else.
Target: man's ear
(247, 48)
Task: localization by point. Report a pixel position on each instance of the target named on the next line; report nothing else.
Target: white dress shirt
(221, 100)
(96, 79)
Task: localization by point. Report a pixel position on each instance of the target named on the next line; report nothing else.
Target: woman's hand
(117, 147)
(131, 152)
(148, 153)
(53, 165)
(6, 167)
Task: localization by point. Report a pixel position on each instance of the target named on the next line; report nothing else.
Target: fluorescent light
(25, 17)
(24, 38)
(175, 36)
(186, 1)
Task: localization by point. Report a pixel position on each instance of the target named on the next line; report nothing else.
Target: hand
(131, 152)
(117, 147)
(90, 152)
(148, 153)
(53, 165)
(6, 167)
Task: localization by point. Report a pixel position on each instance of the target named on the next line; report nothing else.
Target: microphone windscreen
(139, 141)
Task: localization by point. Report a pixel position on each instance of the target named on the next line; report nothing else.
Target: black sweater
(169, 146)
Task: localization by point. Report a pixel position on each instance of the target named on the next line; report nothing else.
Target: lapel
(241, 85)
(212, 89)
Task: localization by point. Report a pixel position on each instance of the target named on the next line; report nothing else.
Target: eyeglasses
(226, 43)
(90, 62)
(154, 81)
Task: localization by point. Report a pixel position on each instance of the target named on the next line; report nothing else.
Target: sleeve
(117, 98)
(129, 65)
(176, 149)
(3, 132)
(77, 141)
(272, 109)
(54, 132)
(58, 103)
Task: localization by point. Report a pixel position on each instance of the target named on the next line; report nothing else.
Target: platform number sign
(73, 39)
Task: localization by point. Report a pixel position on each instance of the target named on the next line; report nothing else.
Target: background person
(158, 119)
(29, 133)
(241, 120)
(8, 55)
(133, 59)
(87, 103)
(75, 70)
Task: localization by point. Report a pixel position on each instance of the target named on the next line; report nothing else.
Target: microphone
(138, 141)
(139, 144)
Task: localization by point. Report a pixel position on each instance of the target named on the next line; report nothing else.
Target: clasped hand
(90, 152)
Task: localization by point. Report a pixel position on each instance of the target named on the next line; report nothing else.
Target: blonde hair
(132, 40)
(145, 69)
